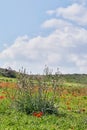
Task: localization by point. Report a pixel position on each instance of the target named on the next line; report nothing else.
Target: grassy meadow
(22, 103)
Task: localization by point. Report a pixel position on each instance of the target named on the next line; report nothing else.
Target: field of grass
(7, 79)
(71, 101)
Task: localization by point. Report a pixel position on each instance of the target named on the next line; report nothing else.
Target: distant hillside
(75, 78)
(8, 73)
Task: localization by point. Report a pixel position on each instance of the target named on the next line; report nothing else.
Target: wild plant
(37, 92)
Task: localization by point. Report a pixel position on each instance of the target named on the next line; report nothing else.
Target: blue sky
(44, 32)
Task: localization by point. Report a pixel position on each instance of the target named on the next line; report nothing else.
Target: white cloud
(52, 50)
(55, 23)
(66, 33)
(80, 61)
(75, 12)
(64, 47)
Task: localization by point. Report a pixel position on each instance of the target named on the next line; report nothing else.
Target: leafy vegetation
(36, 102)
(74, 78)
(30, 100)
(8, 72)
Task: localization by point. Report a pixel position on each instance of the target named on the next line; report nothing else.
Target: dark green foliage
(8, 73)
(75, 78)
(30, 104)
(29, 99)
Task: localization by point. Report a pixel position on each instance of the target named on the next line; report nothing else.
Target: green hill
(73, 78)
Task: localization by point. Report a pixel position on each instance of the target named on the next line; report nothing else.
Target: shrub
(30, 104)
(33, 93)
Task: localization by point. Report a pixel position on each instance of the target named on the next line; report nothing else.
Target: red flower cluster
(39, 114)
(6, 94)
(2, 97)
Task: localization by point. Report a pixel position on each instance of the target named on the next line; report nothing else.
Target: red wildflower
(38, 114)
(41, 113)
(2, 97)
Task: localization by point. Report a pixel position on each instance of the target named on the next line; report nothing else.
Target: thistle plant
(33, 93)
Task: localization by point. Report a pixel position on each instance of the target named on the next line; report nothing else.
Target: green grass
(6, 79)
(74, 119)
(64, 121)
(72, 112)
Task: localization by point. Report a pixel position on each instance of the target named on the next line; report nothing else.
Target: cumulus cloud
(75, 12)
(52, 50)
(80, 61)
(64, 47)
(55, 23)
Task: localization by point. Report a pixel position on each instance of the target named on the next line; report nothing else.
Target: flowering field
(70, 101)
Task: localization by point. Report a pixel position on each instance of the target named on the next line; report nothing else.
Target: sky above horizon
(44, 32)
